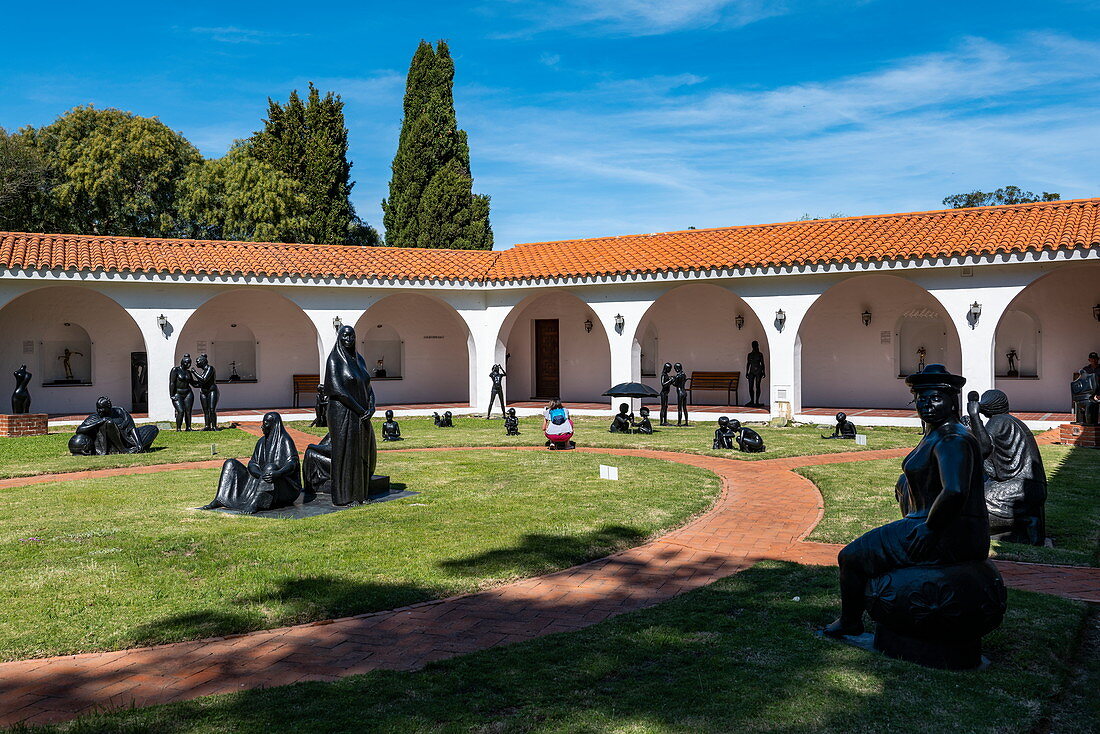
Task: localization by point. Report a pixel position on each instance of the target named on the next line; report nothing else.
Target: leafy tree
(1007, 195)
(431, 201)
(25, 182)
(116, 173)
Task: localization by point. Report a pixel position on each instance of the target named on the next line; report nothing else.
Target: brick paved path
(764, 512)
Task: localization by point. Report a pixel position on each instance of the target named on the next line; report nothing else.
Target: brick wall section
(1072, 434)
(26, 424)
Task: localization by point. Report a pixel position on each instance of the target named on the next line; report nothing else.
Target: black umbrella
(632, 390)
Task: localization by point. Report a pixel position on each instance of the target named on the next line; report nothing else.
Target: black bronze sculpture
(110, 430)
(679, 379)
(272, 478)
(724, 434)
(754, 372)
(844, 428)
(622, 421)
(497, 375)
(511, 423)
(350, 409)
(443, 421)
(644, 426)
(320, 420)
(180, 383)
(21, 398)
(666, 385)
(1013, 358)
(1085, 390)
(1015, 481)
(390, 430)
(747, 439)
(205, 379)
(926, 579)
(317, 468)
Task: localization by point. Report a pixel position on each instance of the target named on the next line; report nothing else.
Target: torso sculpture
(511, 423)
(679, 379)
(754, 373)
(497, 375)
(390, 430)
(644, 426)
(724, 434)
(350, 408)
(844, 428)
(1015, 481)
(21, 397)
(622, 421)
(926, 579)
(205, 379)
(666, 385)
(180, 383)
(747, 439)
(110, 430)
(272, 478)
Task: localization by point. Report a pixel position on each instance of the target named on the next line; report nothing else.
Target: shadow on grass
(538, 552)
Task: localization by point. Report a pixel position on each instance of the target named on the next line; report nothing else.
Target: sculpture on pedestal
(622, 421)
(110, 430)
(21, 397)
(1015, 481)
(272, 478)
(926, 579)
(350, 409)
(1085, 390)
(497, 375)
(679, 379)
(443, 421)
(204, 378)
(511, 423)
(179, 387)
(747, 439)
(320, 420)
(1013, 359)
(844, 428)
(724, 434)
(390, 430)
(644, 426)
(754, 373)
(666, 385)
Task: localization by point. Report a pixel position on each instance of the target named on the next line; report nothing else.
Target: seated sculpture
(845, 429)
(320, 408)
(443, 422)
(746, 438)
(622, 421)
(926, 579)
(644, 426)
(724, 434)
(1015, 480)
(271, 479)
(390, 430)
(511, 423)
(1085, 390)
(317, 468)
(111, 430)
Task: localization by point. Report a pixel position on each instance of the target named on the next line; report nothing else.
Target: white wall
(434, 370)
(39, 316)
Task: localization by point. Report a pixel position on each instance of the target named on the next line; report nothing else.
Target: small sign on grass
(861, 439)
(609, 472)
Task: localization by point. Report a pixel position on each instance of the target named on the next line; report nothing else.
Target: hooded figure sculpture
(350, 408)
(271, 479)
(110, 430)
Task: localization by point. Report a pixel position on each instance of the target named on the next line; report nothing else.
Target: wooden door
(547, 378)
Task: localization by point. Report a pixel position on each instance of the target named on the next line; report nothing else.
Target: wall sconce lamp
(588, 326)
(1096, 312)
(162, 322)
(866, 316)
(337, 323)
(975, 312)
(620, 323)
(780, 318)
(739, 320)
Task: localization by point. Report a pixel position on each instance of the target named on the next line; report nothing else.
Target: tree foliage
(431, 201)
(25, 183)
(1007, 195)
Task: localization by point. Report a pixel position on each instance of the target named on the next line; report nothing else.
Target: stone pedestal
(23, 424)
(1073, 434)
(379, 486)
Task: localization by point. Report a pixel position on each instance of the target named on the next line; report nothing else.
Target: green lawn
(118, 562)
(30, 455)
(739, 655)
(860, 496)
(590, 431)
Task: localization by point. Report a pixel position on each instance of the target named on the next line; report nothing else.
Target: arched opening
(51, 326)
(555, 347)
(864, 335)
(417, 349)
(1052, 325)
(257, 340)
(705, 327)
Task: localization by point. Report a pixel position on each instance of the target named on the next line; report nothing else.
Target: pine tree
(431, 201)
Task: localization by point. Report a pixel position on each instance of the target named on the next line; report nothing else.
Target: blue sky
(590, 118)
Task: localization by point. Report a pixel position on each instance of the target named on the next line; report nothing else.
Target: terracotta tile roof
(948, 233)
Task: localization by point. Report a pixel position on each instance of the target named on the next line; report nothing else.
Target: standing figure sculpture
(204, 378)
(755, 373)
(21, 397)
(390, 430)
(926, 579)
(511, 423)
(1085, 390)
(644, 426)
(723, 434)
(110, 430)
(922, 353)
(666, 385)
(272, 478)
(747, 439)
(1015, 481)
(679, 379)
(350, 409)
(180, 382)
(497, 375)
(1013, 358)
(844, 427)
(320, 420)
(623, 420)
(65, 362)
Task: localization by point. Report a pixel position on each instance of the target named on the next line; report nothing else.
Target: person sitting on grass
(557, 426)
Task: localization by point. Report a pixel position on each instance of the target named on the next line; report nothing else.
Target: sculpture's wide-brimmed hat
(935, 375)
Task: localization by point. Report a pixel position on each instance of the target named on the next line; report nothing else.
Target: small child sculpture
(723, 435)
(644, 426)
(390, 430)
(844, 428)
(622, 421)
(747, 439)
(445, 421)
(511, 423)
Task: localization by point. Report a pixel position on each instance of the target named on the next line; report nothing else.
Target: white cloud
(233, 34)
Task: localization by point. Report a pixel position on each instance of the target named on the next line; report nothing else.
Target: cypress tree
(431, 201)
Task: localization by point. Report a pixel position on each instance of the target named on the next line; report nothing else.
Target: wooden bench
(305, 384)
(727, 381)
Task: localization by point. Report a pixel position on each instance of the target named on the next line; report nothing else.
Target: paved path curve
(763, 512)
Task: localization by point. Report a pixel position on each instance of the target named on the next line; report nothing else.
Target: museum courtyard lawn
(739, 655)
(860, 496)
(30, 455)
(123, 561)
(590, 431)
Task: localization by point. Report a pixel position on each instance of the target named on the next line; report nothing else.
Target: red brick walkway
(764, 512)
